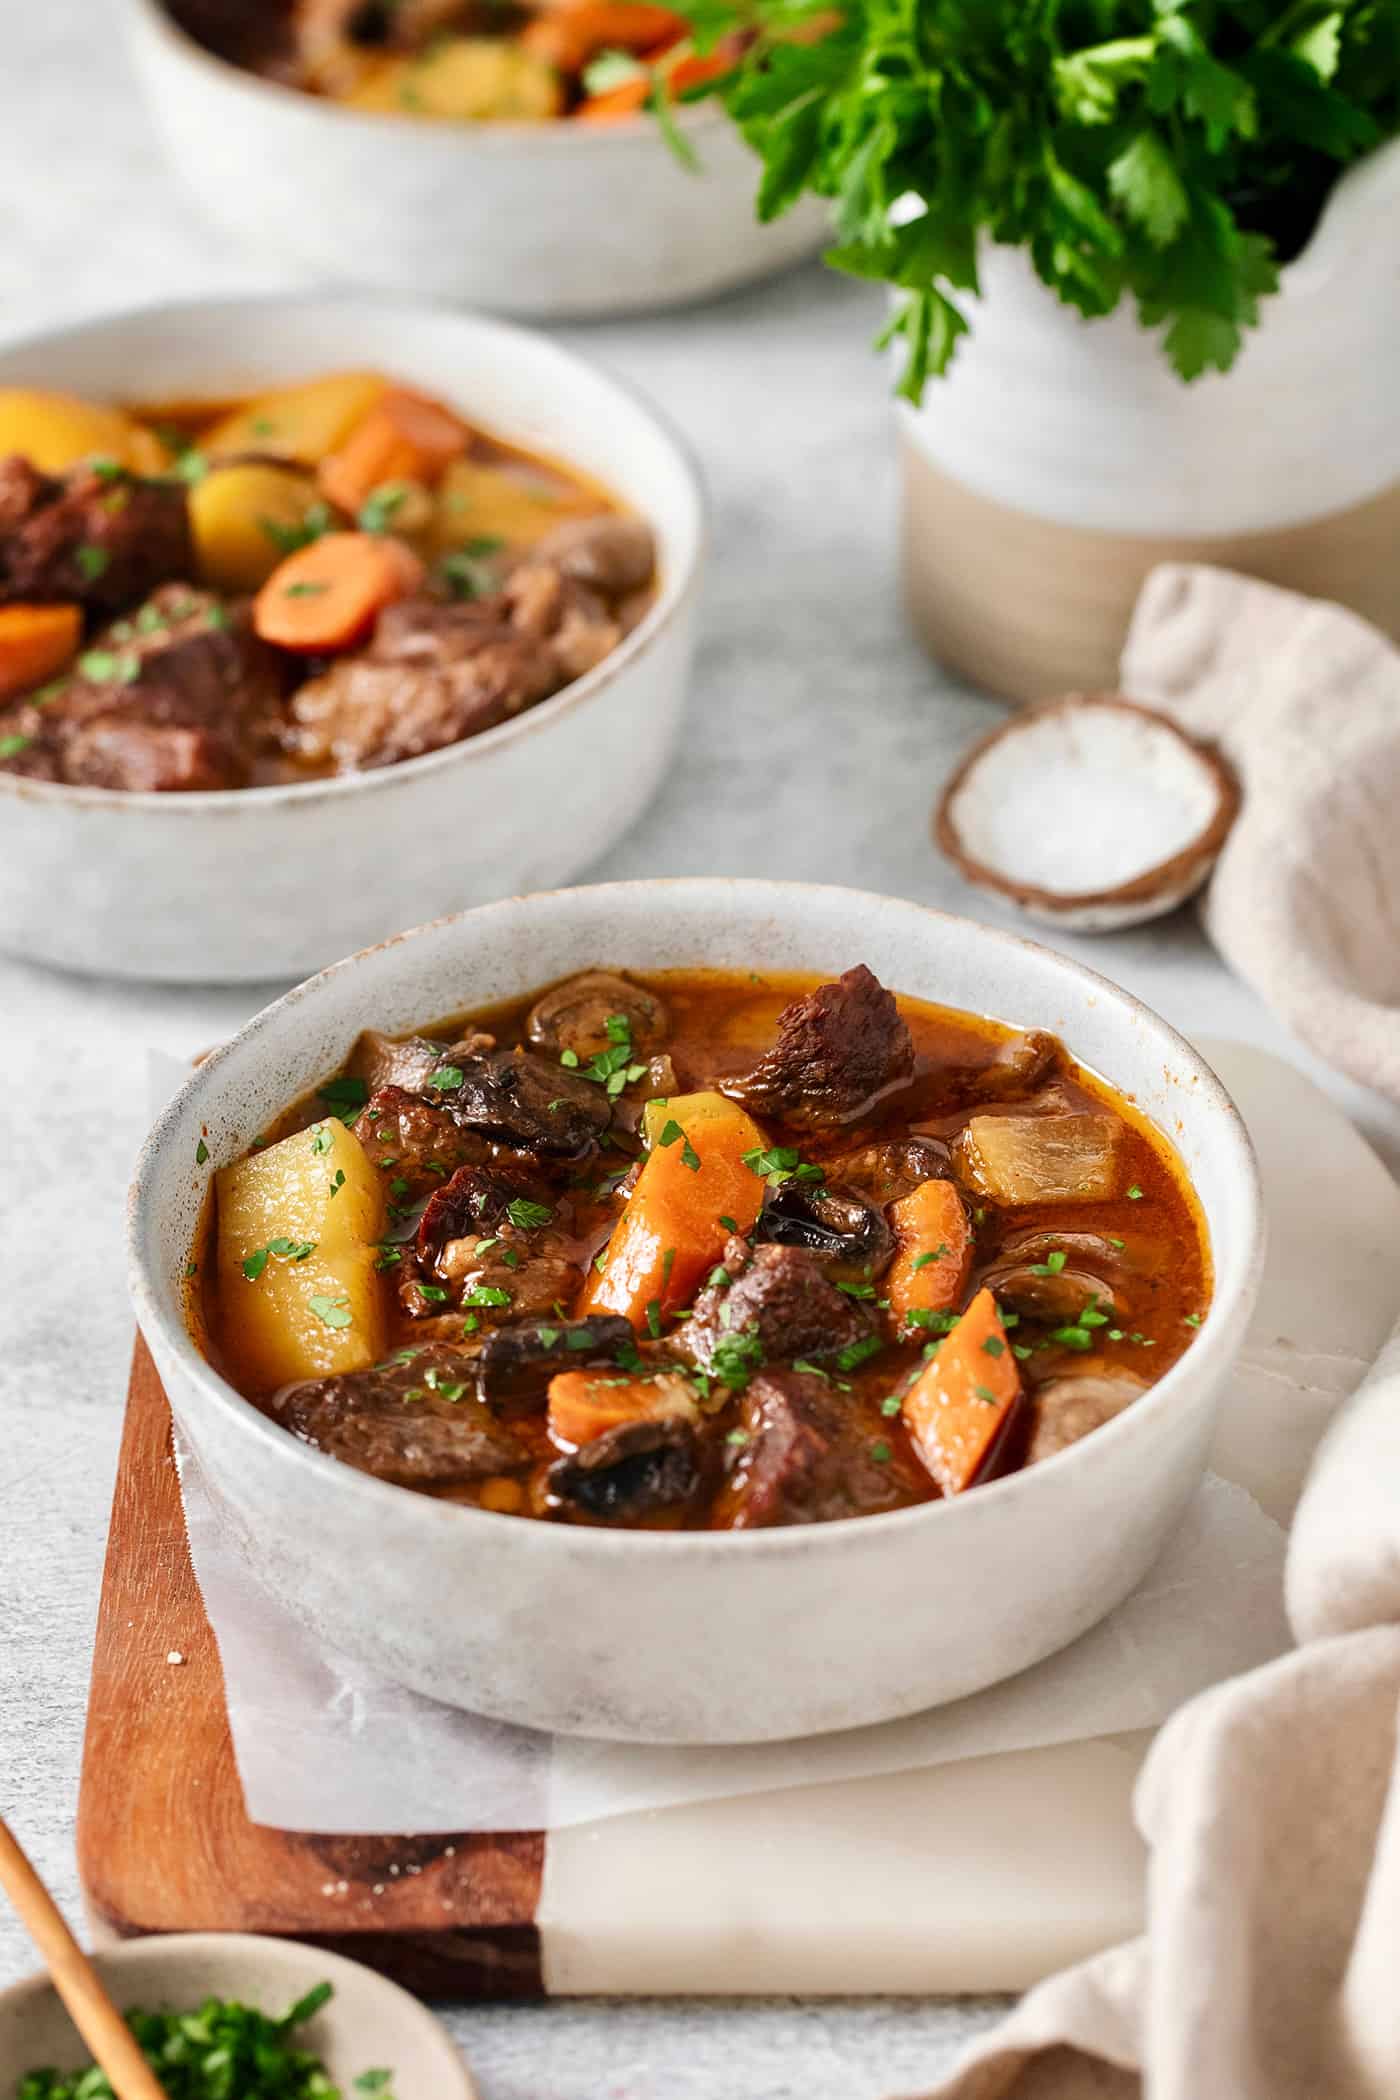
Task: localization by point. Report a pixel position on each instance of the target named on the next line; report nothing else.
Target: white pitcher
(1060, 459)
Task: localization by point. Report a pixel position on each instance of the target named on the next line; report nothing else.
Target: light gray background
(817, 738)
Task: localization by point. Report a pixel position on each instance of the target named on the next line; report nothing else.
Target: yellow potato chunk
(238, 515)
(504, 503)
(55, 431)
(297, 422)
(298, 1227)
(463, 79)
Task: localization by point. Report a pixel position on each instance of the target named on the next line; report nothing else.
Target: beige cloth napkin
(1270, 1969)
(1304, 699)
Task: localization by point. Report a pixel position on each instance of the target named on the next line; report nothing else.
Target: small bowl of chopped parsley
(234, 2017)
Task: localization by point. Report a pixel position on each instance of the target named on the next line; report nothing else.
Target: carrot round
(568, 36)
(625, 100)
(584, 1405)
(959, 1406)
(36, 642)
(328, 595)
(933, 1253)
(404, 437)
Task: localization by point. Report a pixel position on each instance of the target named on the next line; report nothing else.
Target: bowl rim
(676, 590)
(493, 134)
(194, 1948)
(1211, 1348)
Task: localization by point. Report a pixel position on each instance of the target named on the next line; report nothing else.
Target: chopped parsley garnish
(446, 1077)
(549, 1336)
(445, 1388)
(201, 1153)
(338, 1181)
(737, 1437)
(736, 1358)
(102, 667)
(382, 506)
(1052, 1264)
(689, 1156)
(1119, 1244)
(578, 1339)
(334, 1312)
(857, 1290)
(472, 1324)
(308, 589)
(433, 1293)
(719, 1279)
(892, 1405)
(881, 1453)
(92, 562)
(466, 570)
(1135, 1194)
(322, 1139)
(487, 1294)
(994, 1345)
(939, 1254)
(317, 519)
(935, 1322)
(654, 1318)
(1193, 1319)
(729, 1224)
(345, 1096)
(859, 1352)
(398, 1186)
(389, 1256)
(526, 1216)
(11, 746)
(285, 1250)
(985, 1394)
(776, 1164)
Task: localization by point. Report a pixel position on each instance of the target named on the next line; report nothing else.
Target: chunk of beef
(848, 1236)
(806, 1460)
(179, 698)
(609, 554)
(1022, 1066)
(1067, 1409)
(523, 1100)
(885, 1172)
(516, 1363)
(487, 1283)
(363, 713)
(416, 1141)
(414, 1420)
(101, 540)
(837, 1049)
(630, 1471)
(547, 606)
(407, 1061)
(574, 1015)
(780, 1297)
(472, 1205)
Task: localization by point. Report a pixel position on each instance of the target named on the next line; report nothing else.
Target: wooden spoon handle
(75, 1979)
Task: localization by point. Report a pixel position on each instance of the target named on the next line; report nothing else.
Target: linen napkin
(1304, 700)
(1270, 1968)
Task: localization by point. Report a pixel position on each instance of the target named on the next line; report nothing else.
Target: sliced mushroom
(1019, 1160)
(515, 1364)
(847, 1234)
(1067, 1409)
(574, 1016)
(1052, 1276)
(884, 1173)
(516, 1098)
(630, 1471)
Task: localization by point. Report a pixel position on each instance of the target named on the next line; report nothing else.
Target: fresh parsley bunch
(1175, 152)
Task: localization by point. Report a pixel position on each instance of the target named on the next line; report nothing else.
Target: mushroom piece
(574, 1016)
(515, 1364)
(407, 1061)
(1052, 1276)
(848, 1235)
(885, 1172)
(1067, 1409)
(630, 1471)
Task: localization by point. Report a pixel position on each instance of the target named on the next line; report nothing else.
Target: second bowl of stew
(758, 1309)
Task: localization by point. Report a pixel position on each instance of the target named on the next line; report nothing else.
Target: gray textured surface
(818, 736)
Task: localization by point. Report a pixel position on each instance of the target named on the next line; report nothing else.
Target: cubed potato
(504, 503)
(55, 431)
(463, 79)
(240, 515)
(1041, 1159)
(296, 422)
(289, 1314)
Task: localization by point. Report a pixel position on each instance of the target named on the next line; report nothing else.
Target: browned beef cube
(806, 1459)
(101, 538)
(414, 1420)
(837, 1049)
(780, 1297)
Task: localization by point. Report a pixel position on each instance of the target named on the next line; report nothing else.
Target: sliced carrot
(569, 35)
(328, 595)
(960, 1404)
(404, 437)
(693, 1191)
(933, 1252)
(624, 100)
(36, 642)
(584, 1405)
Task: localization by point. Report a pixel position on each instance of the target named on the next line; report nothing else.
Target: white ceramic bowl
(540, 220)
(698, 1636)
(273, 882)
(369, 2024)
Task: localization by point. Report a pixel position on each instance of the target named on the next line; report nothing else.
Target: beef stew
(466, 61)
(326, 579)
(694, 1250)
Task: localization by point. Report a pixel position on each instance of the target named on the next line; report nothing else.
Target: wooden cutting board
(983, 1875)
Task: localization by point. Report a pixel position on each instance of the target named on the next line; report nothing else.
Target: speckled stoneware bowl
(544, 221)
(693, 1637)
(369, 2024)
(258, 883)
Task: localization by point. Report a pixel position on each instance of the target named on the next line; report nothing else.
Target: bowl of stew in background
(537, 214)
(796, 1528)
(321, 849)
